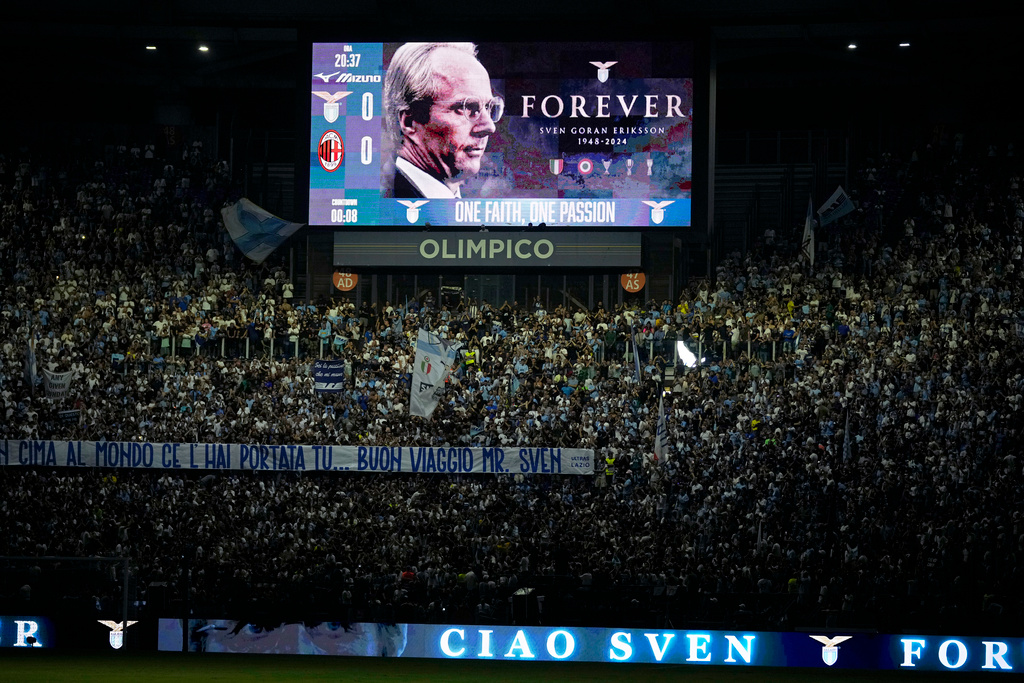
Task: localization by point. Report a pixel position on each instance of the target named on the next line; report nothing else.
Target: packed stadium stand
(854, 452)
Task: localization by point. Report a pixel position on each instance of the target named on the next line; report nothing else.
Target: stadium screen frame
(594, 134)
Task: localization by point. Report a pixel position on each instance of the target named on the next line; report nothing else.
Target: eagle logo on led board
(830, 649)
(331, 103)
(602, 70)
(117, 629)
(412, 209)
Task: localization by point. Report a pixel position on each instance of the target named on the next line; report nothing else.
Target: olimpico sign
(570, 644)
(355, 250)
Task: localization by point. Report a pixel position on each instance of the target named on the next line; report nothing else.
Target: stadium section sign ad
(537, 250)
(570, 644)
(302, 458)
(502, 134)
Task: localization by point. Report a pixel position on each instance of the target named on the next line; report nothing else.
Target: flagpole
(847, 449)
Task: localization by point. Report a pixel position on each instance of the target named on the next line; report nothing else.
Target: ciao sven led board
(503, 134)
(574, 644)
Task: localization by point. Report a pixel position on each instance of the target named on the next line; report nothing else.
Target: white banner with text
(301, 458)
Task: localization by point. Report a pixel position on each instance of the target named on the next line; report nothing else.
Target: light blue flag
(837, 206)
(255, 231)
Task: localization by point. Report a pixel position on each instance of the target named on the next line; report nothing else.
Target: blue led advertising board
(831, 650)
(26, 632)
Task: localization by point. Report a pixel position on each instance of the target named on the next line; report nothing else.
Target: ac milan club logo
(331, 150)
(586, 166)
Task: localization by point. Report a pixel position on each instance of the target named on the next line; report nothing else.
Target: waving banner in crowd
(434, 359)
(56, 383)
(329, 376)
(302, 458)
(255, 231)
(835, 207)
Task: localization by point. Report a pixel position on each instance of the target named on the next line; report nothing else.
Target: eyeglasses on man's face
(472, 107)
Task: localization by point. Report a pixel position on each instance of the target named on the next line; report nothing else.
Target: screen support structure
(704, 141)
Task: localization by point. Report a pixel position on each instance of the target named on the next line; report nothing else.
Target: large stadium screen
(501, 134)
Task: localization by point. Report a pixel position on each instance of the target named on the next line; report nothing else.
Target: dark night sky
(781, 65)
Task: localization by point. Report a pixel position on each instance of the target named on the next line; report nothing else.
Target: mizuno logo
(352, 78)
(346, 77)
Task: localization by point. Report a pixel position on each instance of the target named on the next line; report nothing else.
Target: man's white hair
(410, 80)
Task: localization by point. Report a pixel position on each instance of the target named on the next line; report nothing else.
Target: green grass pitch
(114, 667)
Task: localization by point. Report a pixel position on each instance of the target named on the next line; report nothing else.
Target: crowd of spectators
(845, 451)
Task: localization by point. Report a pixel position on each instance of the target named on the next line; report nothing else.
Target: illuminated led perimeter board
(19, 631)
(639, 646)
(589, 134)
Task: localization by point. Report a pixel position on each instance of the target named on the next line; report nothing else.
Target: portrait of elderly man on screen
(439, 113)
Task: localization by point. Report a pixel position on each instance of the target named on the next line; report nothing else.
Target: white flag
(808, 242)
(57, 384)
(661, 435)
(434, 360)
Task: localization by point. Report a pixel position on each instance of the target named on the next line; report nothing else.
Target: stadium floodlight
(685, 355)
(851, 46)
(203, 48)
(151, 47)
(904, 44)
